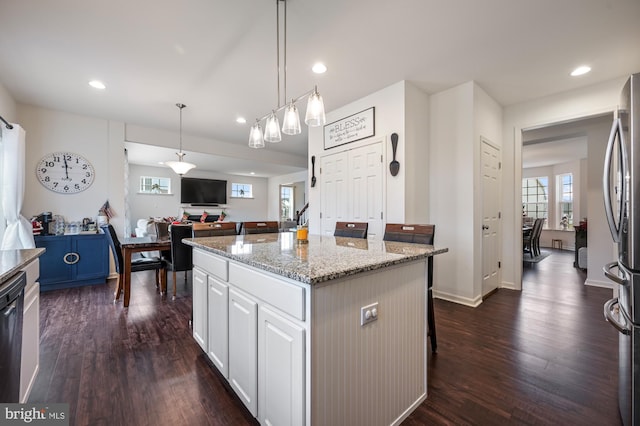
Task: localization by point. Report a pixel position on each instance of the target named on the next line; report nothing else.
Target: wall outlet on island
(369, 313)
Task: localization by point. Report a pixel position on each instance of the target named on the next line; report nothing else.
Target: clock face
(65, 172)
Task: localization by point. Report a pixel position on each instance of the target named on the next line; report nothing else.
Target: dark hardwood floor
(543, 356)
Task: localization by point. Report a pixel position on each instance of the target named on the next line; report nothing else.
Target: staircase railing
(301, 215)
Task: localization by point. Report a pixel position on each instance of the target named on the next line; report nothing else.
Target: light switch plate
(369, 313)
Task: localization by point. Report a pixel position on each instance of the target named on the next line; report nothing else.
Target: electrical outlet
(369, 313)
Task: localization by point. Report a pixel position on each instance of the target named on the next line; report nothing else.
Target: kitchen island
(328, 332)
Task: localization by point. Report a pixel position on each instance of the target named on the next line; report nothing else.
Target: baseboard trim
(510, 286)
(597, 283)
(475, 302)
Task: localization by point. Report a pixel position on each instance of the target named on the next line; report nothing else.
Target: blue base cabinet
(73, 260)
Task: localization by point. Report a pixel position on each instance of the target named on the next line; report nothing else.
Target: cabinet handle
(71, 258)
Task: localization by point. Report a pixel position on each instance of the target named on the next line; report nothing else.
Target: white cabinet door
(200, 308)
(281, 369)
(243, 348)
(333, 183)
(218, 300)
(351, 188)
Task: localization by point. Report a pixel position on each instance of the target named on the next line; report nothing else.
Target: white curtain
(19, 232)
(127, 211)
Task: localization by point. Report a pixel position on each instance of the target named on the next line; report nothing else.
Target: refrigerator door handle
(614, 226)
(609, 306)
(614, 277)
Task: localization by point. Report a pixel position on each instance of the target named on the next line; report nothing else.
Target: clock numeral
(84, 167)
(88, 174)
(49, 164)
(66, 187)
(47, 179)
(56, 159)
(55, 184)
(76, 186)
(43, 170)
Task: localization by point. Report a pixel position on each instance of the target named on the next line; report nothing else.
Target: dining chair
(536, 237)
(181, 257)
(138, 264)
(214, 229)
(351, 229)
(266, 227)
(420, 234)
(531, 241)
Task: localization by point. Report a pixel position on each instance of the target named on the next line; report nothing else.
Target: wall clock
(65, 172)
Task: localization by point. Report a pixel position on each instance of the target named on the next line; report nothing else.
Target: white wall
(389, 106)
(49, 131)
(154, 205)
(561, 107)
(460, 118)
(273, 191)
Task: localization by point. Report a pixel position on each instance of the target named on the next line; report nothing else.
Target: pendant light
(180, 167)
(256, 140)
(315, 115)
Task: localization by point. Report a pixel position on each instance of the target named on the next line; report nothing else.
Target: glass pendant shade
(315, 110)
(256, 139)
(180, 167)
(272, 129)
(291, 120)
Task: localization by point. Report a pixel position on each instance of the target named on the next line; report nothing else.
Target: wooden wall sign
(349, 129)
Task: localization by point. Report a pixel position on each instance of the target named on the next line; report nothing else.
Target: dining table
(136, 245)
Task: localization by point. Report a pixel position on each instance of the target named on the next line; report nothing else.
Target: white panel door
(365, 189)
(281, 370)
(218, 323)
(333, 197)
(243, 348)
(490, 166)
(199, 303)
(351, 188)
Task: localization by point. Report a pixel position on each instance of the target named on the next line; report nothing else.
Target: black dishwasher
(11, 307)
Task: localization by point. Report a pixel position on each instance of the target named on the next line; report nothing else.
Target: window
(535, 199)
(286, 203)
(155, 185)
(565, 192)
(241, 190)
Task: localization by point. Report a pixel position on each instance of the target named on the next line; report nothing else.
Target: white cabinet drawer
(287, 297)
(33, 271)
(212, 264)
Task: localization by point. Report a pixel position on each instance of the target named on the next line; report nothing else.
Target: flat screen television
(204, 192)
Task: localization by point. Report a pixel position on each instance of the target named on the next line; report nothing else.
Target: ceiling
(219, 57)
(559, 143)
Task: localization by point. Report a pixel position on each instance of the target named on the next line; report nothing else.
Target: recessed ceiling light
(97, 84)
(319, 68)
(580, 71)
(241, 120)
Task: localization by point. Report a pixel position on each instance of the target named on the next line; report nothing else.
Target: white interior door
(491, 172)
(351, 188)
(333, 196)
(365, 189)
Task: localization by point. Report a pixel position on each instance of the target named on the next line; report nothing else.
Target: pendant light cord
(180, 106)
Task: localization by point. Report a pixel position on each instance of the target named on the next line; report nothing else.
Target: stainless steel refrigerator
(621, 183)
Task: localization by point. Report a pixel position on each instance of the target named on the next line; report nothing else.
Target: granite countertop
(324, 258)
(11, 261)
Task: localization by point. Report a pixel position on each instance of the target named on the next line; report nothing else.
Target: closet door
(351, 185)
(334, 195)
(365, 187)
